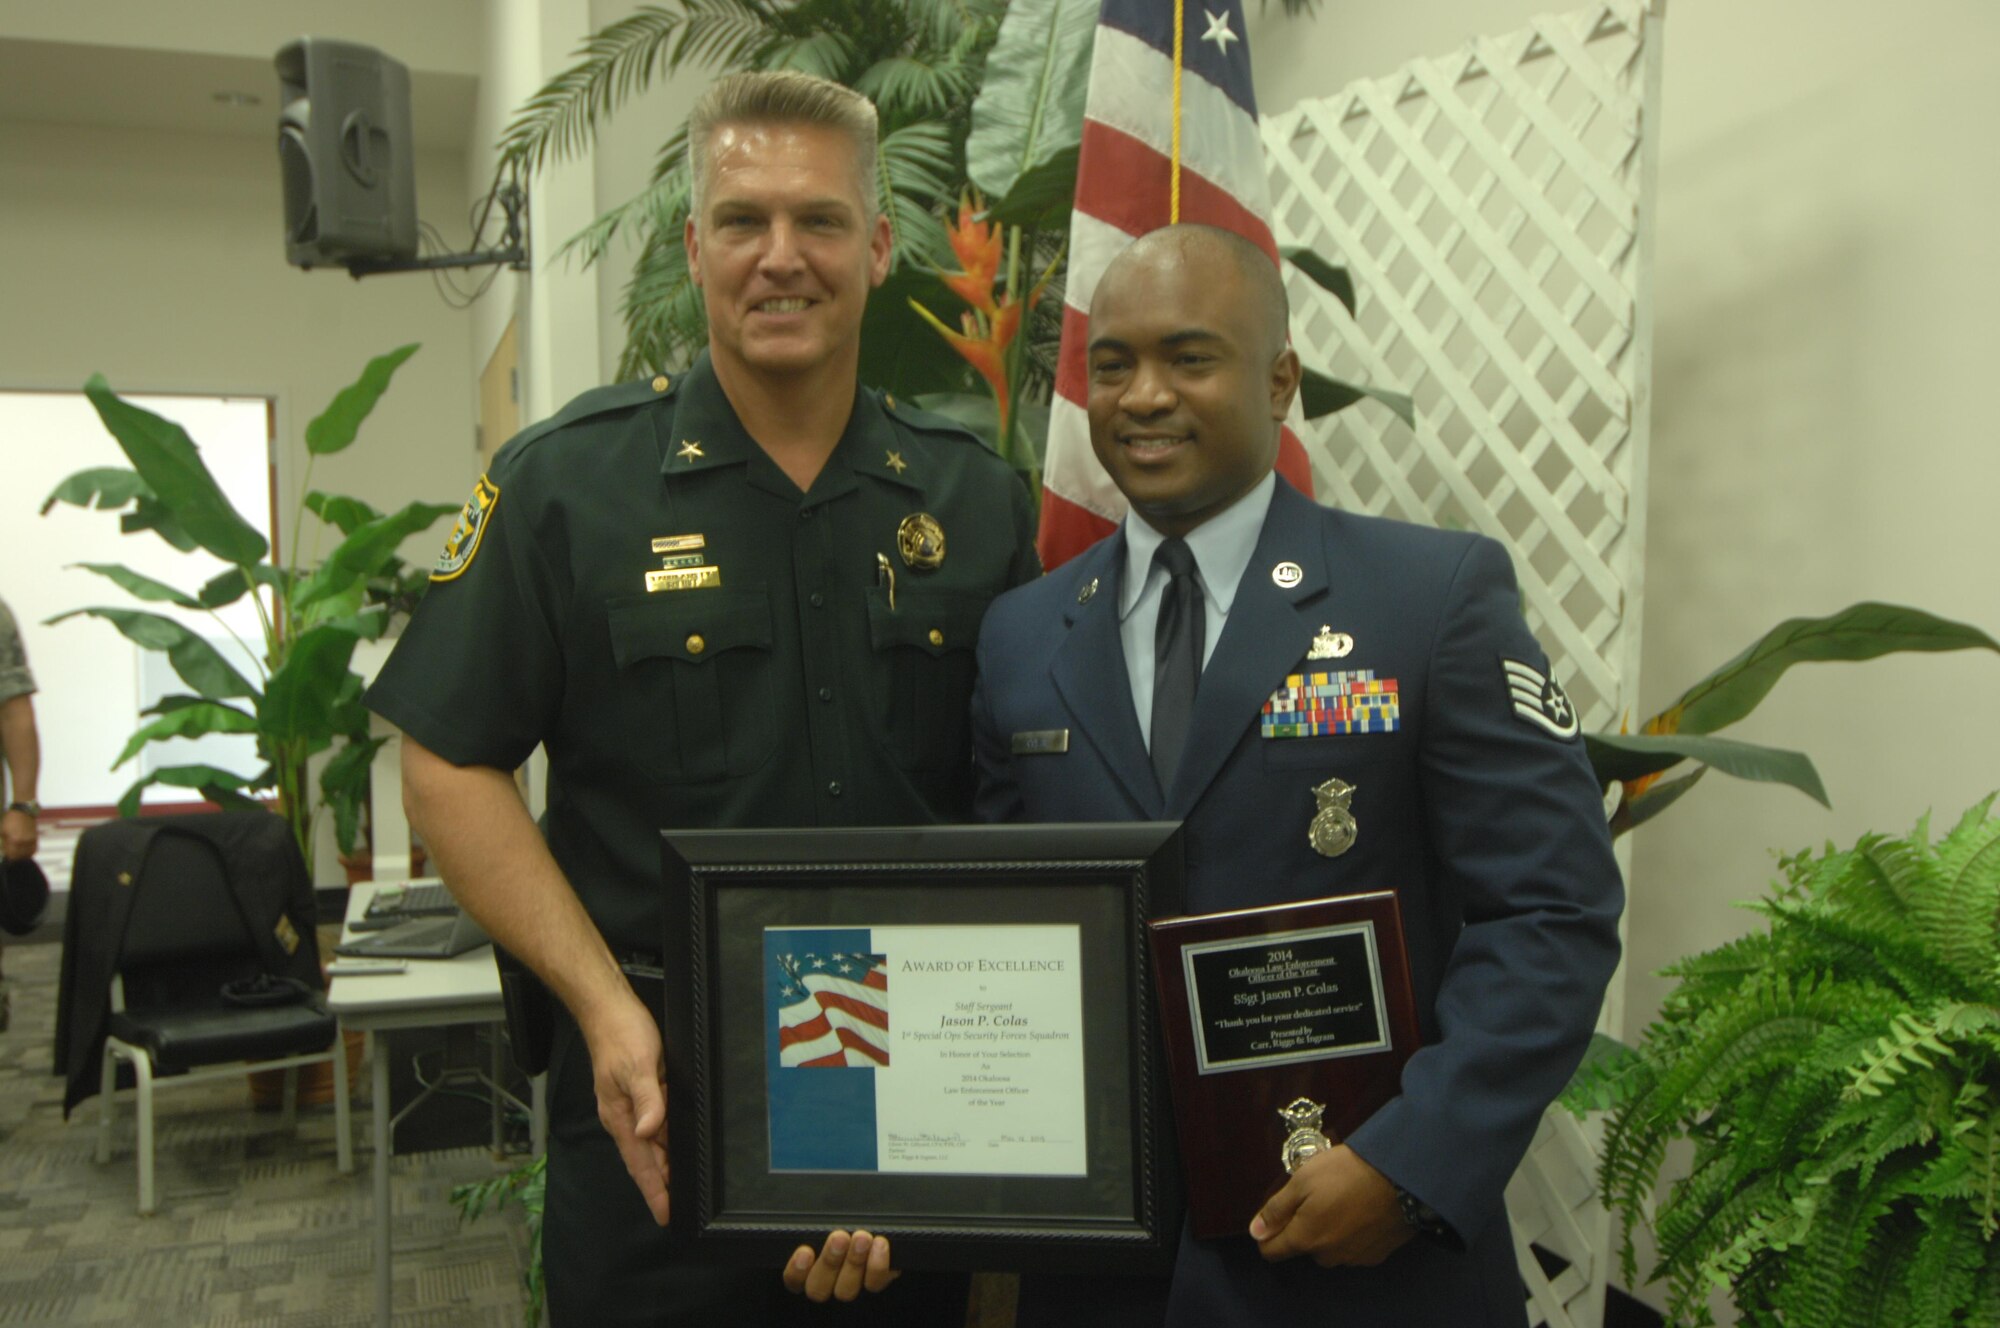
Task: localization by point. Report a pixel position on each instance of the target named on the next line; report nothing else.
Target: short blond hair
(782, 96)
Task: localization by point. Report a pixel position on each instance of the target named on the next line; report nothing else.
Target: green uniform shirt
(782, 687)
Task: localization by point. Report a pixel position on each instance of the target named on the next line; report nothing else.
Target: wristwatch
(33, 809)
(1424, 1220)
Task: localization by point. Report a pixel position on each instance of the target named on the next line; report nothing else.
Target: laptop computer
(419, 938)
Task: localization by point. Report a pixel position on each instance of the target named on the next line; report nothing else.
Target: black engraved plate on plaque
(1291, 996)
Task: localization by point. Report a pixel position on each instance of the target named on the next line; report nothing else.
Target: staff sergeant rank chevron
(1539, 699)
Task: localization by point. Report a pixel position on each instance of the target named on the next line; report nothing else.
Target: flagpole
(1174, 182)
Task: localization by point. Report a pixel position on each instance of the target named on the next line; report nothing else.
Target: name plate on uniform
(1263, 1007)
(684, 578)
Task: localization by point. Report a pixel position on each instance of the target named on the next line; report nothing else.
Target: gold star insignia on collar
(896, 463)
(689, 449)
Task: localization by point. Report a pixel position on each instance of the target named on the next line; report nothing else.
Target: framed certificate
(941, 1034)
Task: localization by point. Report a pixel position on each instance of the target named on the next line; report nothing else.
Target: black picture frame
(725, 887)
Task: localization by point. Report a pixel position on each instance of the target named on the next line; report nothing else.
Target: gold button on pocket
(662, 383)
(937, 637)
(695, 645)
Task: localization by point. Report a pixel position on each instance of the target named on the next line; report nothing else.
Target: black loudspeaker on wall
(345, 146)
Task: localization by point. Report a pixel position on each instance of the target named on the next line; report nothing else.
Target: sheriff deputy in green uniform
(745, 595)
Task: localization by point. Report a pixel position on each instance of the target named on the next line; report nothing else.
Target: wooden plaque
(1262, 1006)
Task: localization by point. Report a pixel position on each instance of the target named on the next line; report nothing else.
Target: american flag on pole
(1169, 134)
(835, 1011)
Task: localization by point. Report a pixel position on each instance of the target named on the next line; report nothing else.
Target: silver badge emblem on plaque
(1305, 1140)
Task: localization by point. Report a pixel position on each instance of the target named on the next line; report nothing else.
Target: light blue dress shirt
(1222, 546)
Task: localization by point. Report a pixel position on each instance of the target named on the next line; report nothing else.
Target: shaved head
(1195, 247)
(1190, 376)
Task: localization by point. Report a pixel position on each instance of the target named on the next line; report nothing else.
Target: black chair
(200, 929)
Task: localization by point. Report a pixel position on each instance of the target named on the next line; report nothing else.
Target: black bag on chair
(262, 878)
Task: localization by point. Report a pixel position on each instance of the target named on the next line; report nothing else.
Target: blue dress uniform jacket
(638, 586)
(1478, 809)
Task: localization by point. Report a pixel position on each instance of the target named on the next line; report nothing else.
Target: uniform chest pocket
(1332, 752)
(697, 682)
(924, 687)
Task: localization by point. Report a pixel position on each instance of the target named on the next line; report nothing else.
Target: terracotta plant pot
(360, 864)
(267, 1087)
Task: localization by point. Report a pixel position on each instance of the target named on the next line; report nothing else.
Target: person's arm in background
(492, 855)
(19, 830)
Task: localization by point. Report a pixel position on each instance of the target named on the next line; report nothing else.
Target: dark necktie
(1177, 642)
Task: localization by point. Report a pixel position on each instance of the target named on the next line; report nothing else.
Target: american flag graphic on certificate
(833, 1011)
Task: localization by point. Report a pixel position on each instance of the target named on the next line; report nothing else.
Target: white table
(433, 993)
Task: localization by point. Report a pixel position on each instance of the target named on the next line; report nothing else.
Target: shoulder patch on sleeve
(1539, 699)
(462, 545)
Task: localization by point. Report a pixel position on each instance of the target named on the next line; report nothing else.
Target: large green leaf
(225, 588)
(188, 721)
(899, 355)
(979, 412)
(1329, 277)
(1028, 117)
(1321, 394)
(1625, 756)
(141, 587)
(1861, 631)
(341, 420)
(152, 514)
(102, 487)
(300, 698)
(367, 550)
(171, 465)
(1041, 199)
(347, 514)
(343, 785)
(1634, 811)
(213, 783)
(197, 662)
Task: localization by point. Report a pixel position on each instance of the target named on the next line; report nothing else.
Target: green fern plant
(526, 1185)
(1838, 1074)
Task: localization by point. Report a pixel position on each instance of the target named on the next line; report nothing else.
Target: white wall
(1822, 411)
(157, 258)
(556, 305)
(431, 34)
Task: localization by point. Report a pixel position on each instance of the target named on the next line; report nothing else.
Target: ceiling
(52, 82)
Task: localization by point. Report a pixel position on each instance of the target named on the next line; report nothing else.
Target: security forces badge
(463, 542)
(1539, 699)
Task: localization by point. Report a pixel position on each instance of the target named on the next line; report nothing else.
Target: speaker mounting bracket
(513, 250)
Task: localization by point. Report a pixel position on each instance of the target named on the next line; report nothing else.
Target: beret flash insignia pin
(1333, 829)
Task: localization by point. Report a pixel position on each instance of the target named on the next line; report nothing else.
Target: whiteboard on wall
(93, 682)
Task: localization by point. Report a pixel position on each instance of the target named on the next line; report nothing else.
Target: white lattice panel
(1495, 211)
(1487, 205)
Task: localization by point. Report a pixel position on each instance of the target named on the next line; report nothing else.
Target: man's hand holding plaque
(1335, 1210)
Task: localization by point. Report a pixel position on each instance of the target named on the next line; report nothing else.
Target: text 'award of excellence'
(1286, 1027)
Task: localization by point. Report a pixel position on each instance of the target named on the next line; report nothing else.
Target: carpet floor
(254, 1224)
